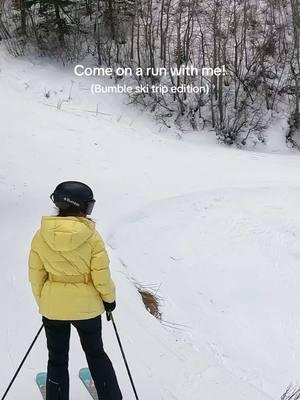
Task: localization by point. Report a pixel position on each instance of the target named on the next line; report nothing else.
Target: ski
(40, 380)
(87, 380)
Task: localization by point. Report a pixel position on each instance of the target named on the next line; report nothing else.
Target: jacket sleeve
(37, 272)
(100, 271)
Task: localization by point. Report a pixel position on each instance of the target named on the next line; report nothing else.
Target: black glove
(109, 307)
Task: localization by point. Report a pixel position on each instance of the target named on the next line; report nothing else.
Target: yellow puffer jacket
(69, 269)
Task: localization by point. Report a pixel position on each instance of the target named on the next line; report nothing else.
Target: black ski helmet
(74, 194)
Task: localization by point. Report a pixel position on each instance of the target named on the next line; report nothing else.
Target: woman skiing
(71, 282)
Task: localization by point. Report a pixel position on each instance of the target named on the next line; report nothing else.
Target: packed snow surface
(214, 230)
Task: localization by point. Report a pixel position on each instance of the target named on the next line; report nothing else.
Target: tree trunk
(61, 36)
(296, 68)
(23, 17)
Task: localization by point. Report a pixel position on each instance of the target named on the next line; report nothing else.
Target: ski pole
(22, 362)
(110, 317)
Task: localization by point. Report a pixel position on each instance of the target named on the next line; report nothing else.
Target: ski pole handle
(108, 315)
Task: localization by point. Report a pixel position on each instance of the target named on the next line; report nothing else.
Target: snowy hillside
(216, 229)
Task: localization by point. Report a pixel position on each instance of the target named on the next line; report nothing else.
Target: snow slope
(216, 229)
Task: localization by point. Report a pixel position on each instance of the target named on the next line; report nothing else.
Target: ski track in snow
(215, 228)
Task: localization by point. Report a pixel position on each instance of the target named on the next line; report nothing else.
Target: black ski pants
(102, 371)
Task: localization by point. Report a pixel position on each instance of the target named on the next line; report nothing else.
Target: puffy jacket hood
(66, 233)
